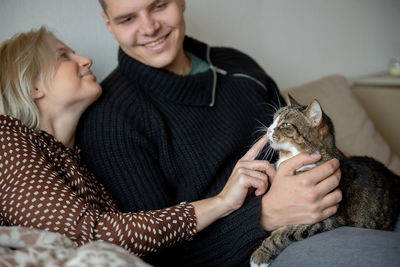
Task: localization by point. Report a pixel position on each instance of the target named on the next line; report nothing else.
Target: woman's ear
(37, 92)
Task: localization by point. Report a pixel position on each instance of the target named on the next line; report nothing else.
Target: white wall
(296, 41)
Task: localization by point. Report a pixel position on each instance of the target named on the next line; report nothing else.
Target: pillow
(355, 132)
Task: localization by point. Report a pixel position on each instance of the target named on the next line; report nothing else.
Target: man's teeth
(159, 41)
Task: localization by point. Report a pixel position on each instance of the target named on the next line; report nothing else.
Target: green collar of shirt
(197, 64)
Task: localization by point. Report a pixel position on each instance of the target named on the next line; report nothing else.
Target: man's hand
(305, 198)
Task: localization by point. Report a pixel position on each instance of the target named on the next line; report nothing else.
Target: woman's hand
(247, 175)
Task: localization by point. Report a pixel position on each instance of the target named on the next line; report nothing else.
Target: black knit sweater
(155, 138)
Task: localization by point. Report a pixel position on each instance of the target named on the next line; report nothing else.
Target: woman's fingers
(249, 178)
(255, 149)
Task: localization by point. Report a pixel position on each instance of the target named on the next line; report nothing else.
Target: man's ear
(183, 5)
(106, 20)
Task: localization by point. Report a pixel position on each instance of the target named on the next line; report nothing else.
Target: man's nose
(148, 25)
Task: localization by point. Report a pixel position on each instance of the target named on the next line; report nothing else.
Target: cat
(370, 191)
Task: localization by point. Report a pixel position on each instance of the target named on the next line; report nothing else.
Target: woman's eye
(62, 56)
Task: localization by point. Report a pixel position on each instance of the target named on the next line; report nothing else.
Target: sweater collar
(195, 90)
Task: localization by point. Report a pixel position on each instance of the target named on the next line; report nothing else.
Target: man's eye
(160, 6)
(126, 20)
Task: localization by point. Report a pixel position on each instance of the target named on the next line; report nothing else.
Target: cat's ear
(314, 113)
(292, 101)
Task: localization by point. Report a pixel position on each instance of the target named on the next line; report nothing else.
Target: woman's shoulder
(13, 133)
(10, 126)
(17, 142)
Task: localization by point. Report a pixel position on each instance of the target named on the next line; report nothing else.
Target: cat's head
(298, 128)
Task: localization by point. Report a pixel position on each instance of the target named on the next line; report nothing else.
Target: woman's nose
(85, 61)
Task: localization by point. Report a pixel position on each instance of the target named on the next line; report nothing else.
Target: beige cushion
(355, 132)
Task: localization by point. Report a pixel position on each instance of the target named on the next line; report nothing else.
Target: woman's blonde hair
(25, 58)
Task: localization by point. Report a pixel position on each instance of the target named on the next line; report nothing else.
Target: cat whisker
(271, 107)
(277, 95)
(269, 153)
(263, 128)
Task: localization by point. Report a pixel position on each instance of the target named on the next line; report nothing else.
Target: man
(174, 118)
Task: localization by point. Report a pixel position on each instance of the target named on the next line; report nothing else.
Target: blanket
(21, 246)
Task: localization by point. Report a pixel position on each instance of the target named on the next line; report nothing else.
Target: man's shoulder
(234, 59)
(115, 81)
(120, 96)
(117, 89)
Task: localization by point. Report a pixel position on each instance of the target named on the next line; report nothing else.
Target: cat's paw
(253, 264)
(260, 259)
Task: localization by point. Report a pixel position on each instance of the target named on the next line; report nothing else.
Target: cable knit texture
(43, 185)
(155, 138)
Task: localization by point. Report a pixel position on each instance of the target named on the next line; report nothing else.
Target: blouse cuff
(190, 219)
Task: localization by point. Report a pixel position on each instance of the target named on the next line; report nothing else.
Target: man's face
(150, 31)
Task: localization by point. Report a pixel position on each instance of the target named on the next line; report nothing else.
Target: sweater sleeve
(33, 194)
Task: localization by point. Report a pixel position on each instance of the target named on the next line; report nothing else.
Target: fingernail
(315, 155)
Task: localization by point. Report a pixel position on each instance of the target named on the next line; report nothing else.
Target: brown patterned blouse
(44, 185)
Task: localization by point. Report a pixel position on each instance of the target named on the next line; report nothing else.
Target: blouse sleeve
(33, 194)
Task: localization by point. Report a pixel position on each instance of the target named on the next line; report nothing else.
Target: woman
(45, 87)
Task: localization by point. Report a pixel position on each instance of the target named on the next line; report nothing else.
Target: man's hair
(103, 5)
(25, 58)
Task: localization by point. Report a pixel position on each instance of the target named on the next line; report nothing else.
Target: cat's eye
(285, 124)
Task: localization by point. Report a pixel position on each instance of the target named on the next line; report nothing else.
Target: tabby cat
(371, 192)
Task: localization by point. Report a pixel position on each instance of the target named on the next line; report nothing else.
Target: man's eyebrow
(130, 14)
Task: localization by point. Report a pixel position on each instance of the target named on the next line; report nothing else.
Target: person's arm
(248, 174)
(303, 198)
(34, 194)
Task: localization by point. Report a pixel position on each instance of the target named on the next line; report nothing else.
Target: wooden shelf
(378, 79)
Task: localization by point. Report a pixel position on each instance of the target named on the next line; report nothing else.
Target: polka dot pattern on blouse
(44, 185)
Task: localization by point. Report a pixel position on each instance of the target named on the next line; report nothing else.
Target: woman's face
(73, 86)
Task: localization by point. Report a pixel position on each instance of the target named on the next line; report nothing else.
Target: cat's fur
(370, 191)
